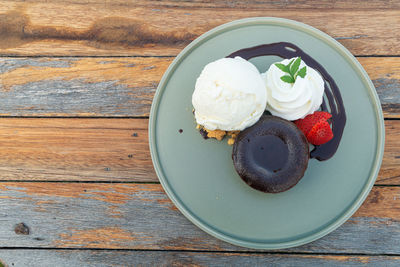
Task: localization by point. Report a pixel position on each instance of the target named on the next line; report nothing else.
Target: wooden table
(77, 79)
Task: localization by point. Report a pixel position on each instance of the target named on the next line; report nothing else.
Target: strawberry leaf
(287, 79)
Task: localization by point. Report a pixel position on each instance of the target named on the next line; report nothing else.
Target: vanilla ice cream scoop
(293, 101)
(229, 95)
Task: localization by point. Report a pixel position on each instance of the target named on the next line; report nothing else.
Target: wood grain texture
(75, 149)
(83, 258)
(119, 87)
(68, 149)
(140, 216)
(386, 79)
(138, 221)
(153, 28)
(390, 168)
(79, 87)
(238, 4)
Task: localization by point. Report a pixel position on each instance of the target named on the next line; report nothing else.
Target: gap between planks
(266, 252)
(173, 258)
(144, 56)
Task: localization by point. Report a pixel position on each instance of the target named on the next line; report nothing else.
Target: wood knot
(21, 229)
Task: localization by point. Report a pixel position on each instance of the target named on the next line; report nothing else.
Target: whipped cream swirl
(293, 101)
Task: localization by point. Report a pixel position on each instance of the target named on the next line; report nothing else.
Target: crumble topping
(218, 134)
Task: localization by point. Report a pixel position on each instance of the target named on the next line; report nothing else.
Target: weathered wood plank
(75, 149)
(104, 87)
(242, 4)
(390, 169)
(140, 216)
(84, 258)
(79, 86)
(121, 28)
(264, 4)
(385, 74)
(70, 149)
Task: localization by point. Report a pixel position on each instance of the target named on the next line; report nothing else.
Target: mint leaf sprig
(293, 70)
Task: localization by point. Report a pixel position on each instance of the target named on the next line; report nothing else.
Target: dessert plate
(199, 177)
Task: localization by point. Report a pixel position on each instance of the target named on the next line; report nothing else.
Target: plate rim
(349, 211)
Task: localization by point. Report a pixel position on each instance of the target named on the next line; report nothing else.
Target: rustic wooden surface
(123, 86)
(133, 216)
(77, 186)
(183, 258)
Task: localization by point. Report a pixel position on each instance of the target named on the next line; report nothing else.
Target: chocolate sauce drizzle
(332, 93)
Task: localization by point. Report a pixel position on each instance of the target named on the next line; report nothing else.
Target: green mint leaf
(295, 67)
(287, 79)
(290, 63)
(302, 72)
(282, 67)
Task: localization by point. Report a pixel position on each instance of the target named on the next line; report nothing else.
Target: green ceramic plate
(199, 177)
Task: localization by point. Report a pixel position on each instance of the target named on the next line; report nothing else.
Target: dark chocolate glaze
(332, 93)
(269, 151)
(272, 155)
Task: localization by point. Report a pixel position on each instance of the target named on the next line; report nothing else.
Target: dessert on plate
(229, 96)
(272, 118)
(272, 155)
(294, 89)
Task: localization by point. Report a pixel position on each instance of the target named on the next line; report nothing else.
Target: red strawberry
(306, 124)
(321, 115)
(320, 133)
